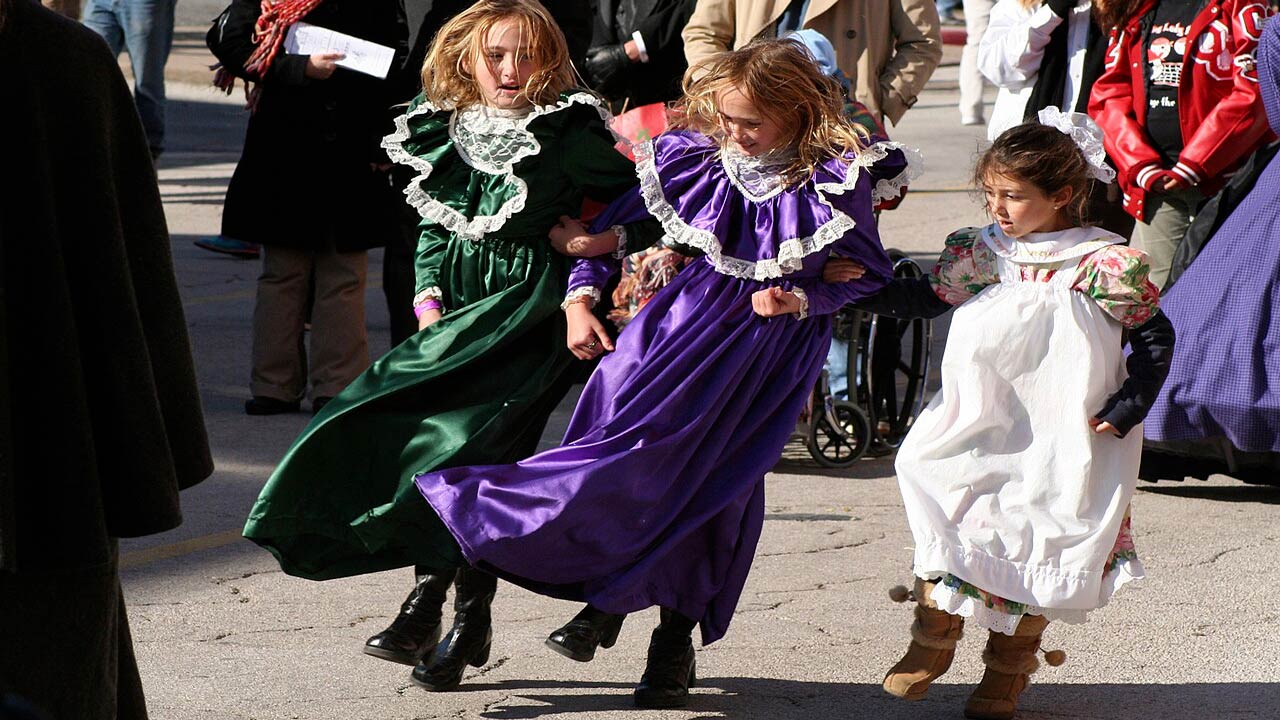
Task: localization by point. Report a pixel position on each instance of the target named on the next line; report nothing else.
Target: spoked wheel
(842, 446)
(899, 365)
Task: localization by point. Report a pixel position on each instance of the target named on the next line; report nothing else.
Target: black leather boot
(469, 641)
(416, 630)
(669, 673)
(589, 629)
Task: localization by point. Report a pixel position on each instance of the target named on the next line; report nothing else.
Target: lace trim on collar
(757, 178)
(1048, 247)
(477, 227)
(791, 252)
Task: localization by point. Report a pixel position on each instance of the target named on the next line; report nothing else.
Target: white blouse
(1010, 54)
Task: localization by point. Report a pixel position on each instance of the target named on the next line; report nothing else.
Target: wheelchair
(888, 367)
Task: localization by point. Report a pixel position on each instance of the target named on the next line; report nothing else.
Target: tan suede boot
(933, 645)
(1009, 660)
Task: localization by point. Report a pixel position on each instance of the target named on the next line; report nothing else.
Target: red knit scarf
(268, 35)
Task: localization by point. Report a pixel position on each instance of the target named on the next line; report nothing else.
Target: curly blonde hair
(786, 85)
(447, 73)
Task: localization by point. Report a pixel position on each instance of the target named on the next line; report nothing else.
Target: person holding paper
(311, 186)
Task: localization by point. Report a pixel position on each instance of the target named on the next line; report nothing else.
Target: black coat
(100, 419)
(660, 23)
(304, 177)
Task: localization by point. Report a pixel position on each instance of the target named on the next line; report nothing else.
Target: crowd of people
(1130, 147)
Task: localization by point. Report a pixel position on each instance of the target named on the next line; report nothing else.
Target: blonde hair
(448, 73)
(785, 84)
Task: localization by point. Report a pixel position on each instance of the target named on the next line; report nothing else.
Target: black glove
(1061, 8)
(606, 66)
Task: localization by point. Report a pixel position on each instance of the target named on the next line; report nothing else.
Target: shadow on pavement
(771, 698)
(1268, 495)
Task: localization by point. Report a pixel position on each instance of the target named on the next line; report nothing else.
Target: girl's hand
(587, 337)
(1100, 427)
(571, 238)
(774, 301)
(429, 318)
(321, 65)
(839, 269)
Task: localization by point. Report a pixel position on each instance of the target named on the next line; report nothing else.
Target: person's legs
(838, 368)
(416, 629)
(148, 36)
(470, 638)
(670, 668)
(1010, 661)
(279, 360)
(589, 629)
(1171, 215)
(100, 17)
(339, 340)
(977, 14)
(934, 635)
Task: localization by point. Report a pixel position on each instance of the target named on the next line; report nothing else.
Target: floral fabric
(1114, 276)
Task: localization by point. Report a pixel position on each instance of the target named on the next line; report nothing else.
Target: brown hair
(1043, 156)
(1111, 14)
(447, 77)
(785, 84)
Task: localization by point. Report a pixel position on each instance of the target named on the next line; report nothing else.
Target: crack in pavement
(815, 551)
(491, 666)
(225, 580)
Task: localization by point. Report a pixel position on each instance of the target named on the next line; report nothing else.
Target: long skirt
(477, 386)
(656, 496)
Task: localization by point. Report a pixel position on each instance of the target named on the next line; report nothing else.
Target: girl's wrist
(621, 238)
(584, 296)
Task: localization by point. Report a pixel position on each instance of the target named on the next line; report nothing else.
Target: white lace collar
(759, 177)
(492, 140)
(1048, 247)
(515, 143)
(791, 252)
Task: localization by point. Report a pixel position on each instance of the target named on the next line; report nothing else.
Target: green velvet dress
(476, 387)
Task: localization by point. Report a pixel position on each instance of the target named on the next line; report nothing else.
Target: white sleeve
(1014, 43)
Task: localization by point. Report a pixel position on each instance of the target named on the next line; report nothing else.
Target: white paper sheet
(361, 55)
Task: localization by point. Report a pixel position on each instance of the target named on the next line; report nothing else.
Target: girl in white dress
(1017, 477)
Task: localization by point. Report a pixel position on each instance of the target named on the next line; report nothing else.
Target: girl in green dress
(503, 148)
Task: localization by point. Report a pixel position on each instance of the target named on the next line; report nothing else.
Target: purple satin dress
(656, 496)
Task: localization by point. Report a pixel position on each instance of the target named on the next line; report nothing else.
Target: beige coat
(888, 48)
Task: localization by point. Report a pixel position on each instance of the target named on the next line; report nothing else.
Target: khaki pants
(339, 345)
(1171, 215)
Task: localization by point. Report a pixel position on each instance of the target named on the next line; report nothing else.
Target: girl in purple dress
(656, 496)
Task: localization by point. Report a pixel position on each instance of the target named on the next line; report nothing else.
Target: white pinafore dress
(1006, 486)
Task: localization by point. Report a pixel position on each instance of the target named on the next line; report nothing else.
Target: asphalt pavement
(222, 633)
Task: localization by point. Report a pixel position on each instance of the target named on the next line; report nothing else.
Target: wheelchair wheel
(839, 447)
(899, 354)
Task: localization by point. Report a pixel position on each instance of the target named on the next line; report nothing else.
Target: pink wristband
(418, 310)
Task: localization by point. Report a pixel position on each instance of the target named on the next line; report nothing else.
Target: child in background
(1017, 477)
(503, 147)
(656, 496)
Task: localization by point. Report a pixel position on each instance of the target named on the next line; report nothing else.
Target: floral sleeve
(965, 267)
(1116, 277)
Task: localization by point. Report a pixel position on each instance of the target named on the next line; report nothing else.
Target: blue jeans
(838, 369)
(143, 28)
